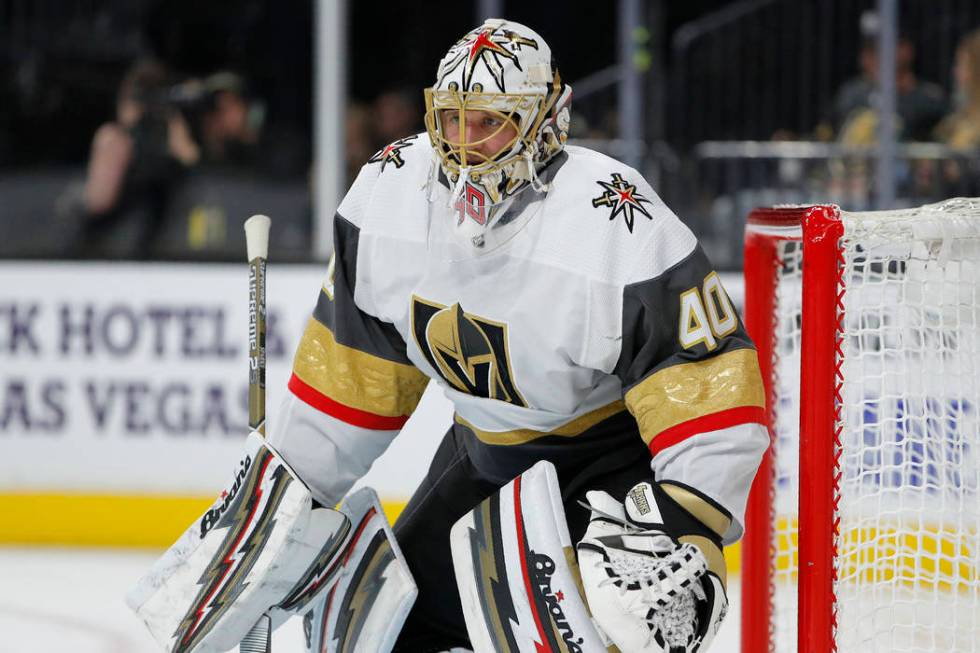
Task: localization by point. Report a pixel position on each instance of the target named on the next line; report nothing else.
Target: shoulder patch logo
(392, 153)
(622, 198)
(469, 352)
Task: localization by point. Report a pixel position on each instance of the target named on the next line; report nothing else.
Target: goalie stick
(262, 553)
(259, 639)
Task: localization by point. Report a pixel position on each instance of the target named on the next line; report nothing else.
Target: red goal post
(871, 358)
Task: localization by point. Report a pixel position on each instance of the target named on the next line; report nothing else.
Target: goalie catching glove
(653, 573)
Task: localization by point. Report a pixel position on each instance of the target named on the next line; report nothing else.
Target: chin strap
(532, 173)
(460, 186)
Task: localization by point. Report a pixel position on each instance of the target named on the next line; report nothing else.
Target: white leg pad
(517, 572)
(365, 610)
(264, 546)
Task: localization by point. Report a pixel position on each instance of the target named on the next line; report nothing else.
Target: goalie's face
(481, 132)
(467, 137)
(474, 137)
(492, 114)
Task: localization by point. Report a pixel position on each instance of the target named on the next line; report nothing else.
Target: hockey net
(863, 527)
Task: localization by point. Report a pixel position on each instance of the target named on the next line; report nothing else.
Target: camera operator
(134, 164)
(223, 117)
(232, 124)
(228, 118)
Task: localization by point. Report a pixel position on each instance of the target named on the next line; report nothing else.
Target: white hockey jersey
(589, 323)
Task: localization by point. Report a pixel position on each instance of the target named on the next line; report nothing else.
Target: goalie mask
(496, 115)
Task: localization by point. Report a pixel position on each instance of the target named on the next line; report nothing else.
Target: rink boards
(123, 395)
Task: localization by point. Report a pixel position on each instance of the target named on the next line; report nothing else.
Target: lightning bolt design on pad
(368, 580)
(490, 569)
(251, 523)
(338, 565)
(318, 574)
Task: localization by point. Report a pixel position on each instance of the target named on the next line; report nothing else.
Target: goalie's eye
(492, 122)
(483, 121)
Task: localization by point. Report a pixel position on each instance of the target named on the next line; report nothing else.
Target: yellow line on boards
(733, 557)
(106, 520)
(150, 521)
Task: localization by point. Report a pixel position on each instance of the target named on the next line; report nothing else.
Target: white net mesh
(908, 560)
(786, 407)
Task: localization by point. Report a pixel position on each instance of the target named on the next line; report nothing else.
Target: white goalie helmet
(497, 113)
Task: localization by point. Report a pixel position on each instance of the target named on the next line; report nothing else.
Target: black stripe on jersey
(651, 315)
(351, 326)
(679, 521)
(611, 443)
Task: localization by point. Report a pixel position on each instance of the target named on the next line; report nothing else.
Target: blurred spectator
(231, 123)
(397, 114)
(134, 163)
(920, 104)
(961, 129)
(359, 141)
(231, 120)
(394, 114)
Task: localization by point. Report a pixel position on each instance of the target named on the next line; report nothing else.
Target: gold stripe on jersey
(703, 511)
(684, 392)
(354, 378)
(570, 429)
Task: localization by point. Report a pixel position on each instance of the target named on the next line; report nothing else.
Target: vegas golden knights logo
(468, 351)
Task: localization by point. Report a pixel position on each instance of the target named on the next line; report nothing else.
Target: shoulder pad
(393, 157)
(619, 223)
(402, 163)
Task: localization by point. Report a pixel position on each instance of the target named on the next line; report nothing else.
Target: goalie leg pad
(366, 608)
(262, 547)
(517, 574)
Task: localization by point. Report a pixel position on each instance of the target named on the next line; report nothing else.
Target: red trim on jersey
(713, 422)
(363, 419)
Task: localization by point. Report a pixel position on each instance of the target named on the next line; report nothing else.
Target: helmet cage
(523, 112)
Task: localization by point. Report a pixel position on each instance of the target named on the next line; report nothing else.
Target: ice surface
(54, 600)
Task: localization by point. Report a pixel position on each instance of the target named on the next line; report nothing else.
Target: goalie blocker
(264, 547)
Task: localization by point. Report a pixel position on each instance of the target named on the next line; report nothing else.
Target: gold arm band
(684, 392)
(355, 378)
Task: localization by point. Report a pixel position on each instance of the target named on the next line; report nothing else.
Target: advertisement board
(123, 395)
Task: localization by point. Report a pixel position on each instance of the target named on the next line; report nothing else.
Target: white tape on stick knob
(257, 236)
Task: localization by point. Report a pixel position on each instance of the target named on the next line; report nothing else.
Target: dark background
(61, 61)
(749, 70)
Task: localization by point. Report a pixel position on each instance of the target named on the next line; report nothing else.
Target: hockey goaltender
(608, 405)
